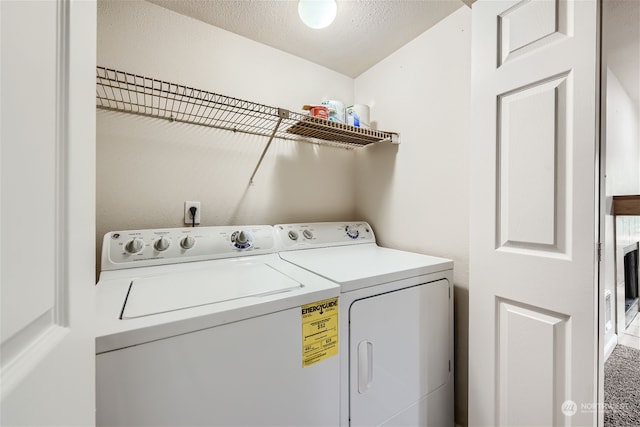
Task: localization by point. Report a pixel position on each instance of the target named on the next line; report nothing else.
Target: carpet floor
(622, 388)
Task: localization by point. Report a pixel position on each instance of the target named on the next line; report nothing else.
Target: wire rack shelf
(130, 93)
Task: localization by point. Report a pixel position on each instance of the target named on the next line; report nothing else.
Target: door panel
(32, 164)
(532, 142)
(398, 352)
(47, 212)
(531, 341)
(528, 25)
(532, 320)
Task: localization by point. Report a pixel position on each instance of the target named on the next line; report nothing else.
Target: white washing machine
(396, 323)
(208, 326)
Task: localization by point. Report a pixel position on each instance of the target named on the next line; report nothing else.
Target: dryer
(208, 326)
(396, 323)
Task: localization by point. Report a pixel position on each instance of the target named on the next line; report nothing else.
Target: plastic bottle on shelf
(336, 110)
(358, 115)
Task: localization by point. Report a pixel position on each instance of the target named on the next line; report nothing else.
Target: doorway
(621, 138)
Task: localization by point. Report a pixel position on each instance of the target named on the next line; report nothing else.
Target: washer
(208, 326)
(396, 323)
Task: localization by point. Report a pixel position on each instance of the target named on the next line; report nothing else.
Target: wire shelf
(131, 93)
(146, 96)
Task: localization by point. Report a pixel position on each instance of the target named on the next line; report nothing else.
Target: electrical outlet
(187, 213)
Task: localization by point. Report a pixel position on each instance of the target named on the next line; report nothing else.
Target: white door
(532, 320)
(47, 212)
(399, 345)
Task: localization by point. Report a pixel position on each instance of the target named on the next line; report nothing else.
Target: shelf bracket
(393, 138)
(282, 114)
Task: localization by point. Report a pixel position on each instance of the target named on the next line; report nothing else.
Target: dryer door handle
(365, 366)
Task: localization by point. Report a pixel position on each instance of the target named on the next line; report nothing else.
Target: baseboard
(609, 346)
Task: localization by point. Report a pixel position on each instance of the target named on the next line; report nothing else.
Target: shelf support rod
(282, 114)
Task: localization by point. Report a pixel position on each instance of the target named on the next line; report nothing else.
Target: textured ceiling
(363, 33)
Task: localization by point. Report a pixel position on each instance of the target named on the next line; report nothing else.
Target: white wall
(147, 168)
(416, 195)
(623, 139)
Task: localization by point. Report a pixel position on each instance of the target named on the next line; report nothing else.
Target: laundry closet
(414, 194)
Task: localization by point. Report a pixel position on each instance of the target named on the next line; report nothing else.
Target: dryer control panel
(137, 248)
(323, 234)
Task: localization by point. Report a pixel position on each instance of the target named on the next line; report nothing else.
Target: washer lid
(359, 266)
(170, 292)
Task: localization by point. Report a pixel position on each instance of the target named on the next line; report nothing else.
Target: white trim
(61, 286)
(609, 346)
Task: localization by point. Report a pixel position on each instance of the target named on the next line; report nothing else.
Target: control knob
(162, 244)
(352, 231)
(293, 235)
(308, 234)
(188, 242)
(134, 245)
(241, 239)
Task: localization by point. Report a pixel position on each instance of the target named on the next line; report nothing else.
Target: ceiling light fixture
(317, 13)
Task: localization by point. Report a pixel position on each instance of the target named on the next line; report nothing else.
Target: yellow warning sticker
(319, 331)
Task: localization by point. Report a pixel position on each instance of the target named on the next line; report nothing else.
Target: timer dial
(352, 231)
(242, 239)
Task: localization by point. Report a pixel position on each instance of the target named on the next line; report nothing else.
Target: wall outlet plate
(187, 213)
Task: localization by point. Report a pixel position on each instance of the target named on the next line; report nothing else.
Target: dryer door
(399, 353)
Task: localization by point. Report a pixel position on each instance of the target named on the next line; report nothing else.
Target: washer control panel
(323, 234)
(136, 248)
